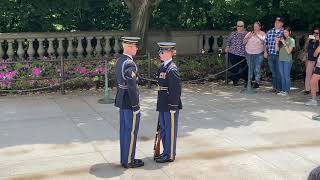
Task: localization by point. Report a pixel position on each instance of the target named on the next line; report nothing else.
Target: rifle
(157, 140)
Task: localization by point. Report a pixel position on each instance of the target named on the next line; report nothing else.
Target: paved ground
(222, 135)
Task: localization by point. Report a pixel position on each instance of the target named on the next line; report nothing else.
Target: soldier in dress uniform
(169, 102)
(127, 99)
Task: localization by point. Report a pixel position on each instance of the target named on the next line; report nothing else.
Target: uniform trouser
(129, 127)
(169, 130)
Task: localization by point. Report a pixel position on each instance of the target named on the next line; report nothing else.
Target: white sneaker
(311, 102)
(282, 93)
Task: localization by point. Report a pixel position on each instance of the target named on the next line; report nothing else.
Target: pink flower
(100, 70)
(36, 72)
(2, 76)
(10, 75)
(81, 70)
(3, 67)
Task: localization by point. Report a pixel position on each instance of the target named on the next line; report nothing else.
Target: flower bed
(86, 74)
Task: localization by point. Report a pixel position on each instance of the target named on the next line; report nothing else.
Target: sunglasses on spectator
(315, 32)
(239, 26)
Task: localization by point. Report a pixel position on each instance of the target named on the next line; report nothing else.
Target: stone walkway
(222, 135)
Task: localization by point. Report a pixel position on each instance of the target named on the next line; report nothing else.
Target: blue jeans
(254, 62)
(273, 62)
(284, 70)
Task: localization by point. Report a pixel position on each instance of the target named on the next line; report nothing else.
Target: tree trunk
(140, 11)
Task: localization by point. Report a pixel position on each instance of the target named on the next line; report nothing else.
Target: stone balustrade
(54, 45)
(73, 45)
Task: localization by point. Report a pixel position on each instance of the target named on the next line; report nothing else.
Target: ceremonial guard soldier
(127, 99)
(169, 101)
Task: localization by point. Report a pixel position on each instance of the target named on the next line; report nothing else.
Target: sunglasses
(315, 32)
(239, 26)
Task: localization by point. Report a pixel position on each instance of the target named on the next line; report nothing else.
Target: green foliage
(62, 15)
(91, 15)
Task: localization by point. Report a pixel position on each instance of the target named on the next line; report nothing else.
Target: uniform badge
(162, 75)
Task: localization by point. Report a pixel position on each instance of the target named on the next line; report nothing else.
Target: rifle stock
(157, 140)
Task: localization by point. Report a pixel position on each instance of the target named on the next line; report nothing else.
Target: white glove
(172, 111)
(136, 112)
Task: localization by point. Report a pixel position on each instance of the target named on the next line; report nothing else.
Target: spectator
(236, 53)
(271, 54)
(315, 80)
(254, 42)
(310, 46)
(285, 46)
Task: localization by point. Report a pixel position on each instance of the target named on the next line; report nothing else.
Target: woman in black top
(310, 46)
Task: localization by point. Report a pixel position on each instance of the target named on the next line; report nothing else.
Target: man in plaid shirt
(272, 54)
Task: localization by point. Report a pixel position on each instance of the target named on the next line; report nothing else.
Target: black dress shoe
(235, 83)
(256, 85)
(164, 159)
(158, 157)
(134, 164)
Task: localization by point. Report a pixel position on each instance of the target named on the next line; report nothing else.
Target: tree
(141, 11)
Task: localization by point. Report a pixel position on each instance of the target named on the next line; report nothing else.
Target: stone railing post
(98, 47)
(116, 45)
(20, 50)
(10, 51)
(41, 49)
(30, 50)
(50, 48)
(60, 48)
(70, 49)
(107, 47)
(80, 48)
(89, 48)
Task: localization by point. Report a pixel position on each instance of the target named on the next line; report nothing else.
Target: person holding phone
(254, 42)
(312, 42)
(284, 46)
(271, 54)
(315, 80)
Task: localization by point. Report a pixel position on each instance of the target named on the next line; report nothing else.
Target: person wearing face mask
(127, 100)
(168, 102)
